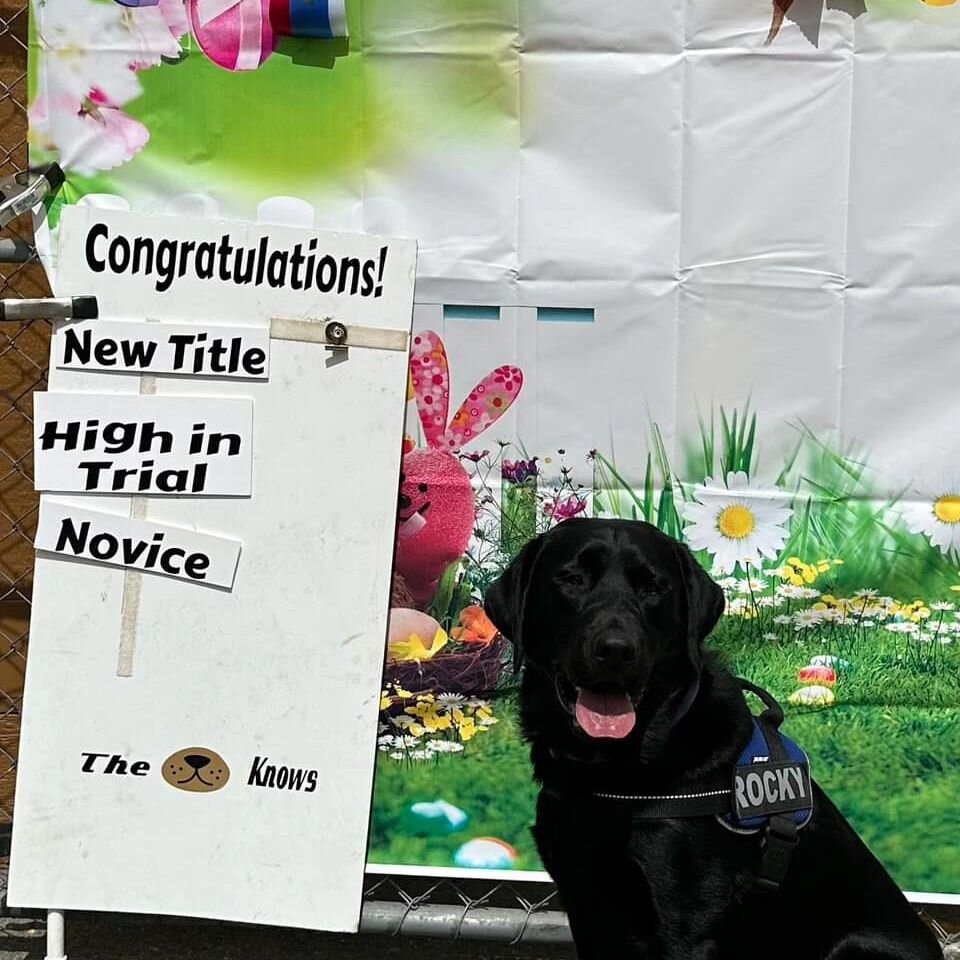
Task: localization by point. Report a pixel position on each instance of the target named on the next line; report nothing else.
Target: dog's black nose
(196, 760)
(614, 651)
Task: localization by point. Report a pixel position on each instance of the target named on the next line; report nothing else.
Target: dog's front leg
(604, 895)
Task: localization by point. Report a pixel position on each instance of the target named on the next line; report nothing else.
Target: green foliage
(454, 593)
(656, 503)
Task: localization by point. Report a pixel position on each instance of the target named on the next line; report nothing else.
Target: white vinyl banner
(169, 762)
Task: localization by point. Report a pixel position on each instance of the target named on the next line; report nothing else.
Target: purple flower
(516, 471)
(475, 457)
(559, 510)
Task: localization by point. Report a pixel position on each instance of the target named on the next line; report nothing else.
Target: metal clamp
(50, 308)
(336, 334)
(23, 191)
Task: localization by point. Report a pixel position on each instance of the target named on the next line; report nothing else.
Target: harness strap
(778, 846)
(679, 805)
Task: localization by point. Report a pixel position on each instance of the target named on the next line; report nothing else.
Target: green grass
(490, 781)
(893, 769)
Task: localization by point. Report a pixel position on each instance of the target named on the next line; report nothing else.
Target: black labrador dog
(619, 698)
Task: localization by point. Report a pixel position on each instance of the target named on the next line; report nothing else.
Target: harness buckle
(779, 841)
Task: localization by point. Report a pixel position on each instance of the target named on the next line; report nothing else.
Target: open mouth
(414, 522)
(603, 712)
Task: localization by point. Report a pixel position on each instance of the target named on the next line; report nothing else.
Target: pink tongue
(605, 714)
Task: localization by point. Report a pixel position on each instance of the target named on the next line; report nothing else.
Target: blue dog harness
(771, 791)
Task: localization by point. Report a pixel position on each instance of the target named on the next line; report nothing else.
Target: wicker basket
(474, 673)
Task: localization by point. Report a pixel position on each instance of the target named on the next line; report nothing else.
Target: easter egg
(813, 696)
(939, 3)
(485, 853)
(433, 818)
(818, 674)
(828, 660)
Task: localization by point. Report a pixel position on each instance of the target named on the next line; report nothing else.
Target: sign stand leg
(55, 925)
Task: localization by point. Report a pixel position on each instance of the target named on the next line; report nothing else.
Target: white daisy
(451, 701)
(807, 619)
(404, 721)
(736, 523)
(936, 515)
(751, 585)
(865, 594)
(736, 607)
(942, 606)
(783, 619)
(905, 626)
(771, 636)
(444, 746)
(868, 624)
(789, 592)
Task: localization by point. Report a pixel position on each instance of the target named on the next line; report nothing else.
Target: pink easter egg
(824, 675)
(240, 38)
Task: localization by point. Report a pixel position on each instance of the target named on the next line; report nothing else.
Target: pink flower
(559, 510)
(155, 32)
(97, 136)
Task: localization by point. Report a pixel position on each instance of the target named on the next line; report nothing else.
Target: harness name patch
(766, 788)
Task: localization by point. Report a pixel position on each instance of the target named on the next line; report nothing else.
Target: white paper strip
(111, 443)
(137, 544)
(183, 349)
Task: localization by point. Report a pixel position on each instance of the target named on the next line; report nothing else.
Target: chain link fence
(24, 350)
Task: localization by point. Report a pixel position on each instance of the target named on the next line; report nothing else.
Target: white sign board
(210, 752)
(154, 548)
(91, 443)
(138, 347)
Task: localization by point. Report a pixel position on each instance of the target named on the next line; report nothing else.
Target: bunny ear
(489, 400)
(430, 375)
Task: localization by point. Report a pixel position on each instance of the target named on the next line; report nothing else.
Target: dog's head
(613, 613)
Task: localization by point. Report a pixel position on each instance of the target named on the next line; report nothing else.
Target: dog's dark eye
(422, 487)
(570, 579)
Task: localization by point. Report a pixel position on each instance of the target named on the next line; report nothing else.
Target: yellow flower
(482, 713)
(386, 701)
(401, 693)
(467, 728)
(412, 647)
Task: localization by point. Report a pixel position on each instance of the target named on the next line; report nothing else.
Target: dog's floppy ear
(506, 599)
(705, 601)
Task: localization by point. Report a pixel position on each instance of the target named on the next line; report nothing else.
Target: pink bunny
(437, 509)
